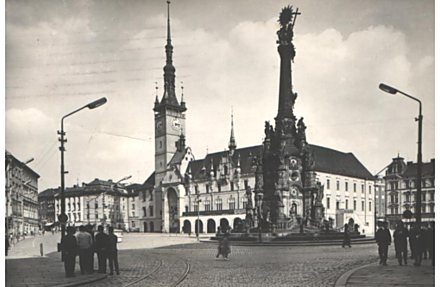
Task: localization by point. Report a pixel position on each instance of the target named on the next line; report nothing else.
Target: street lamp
(63, 216)
(418, 212)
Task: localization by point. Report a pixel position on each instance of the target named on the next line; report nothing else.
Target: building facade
(21, 194)
(97, 203)
(46, 201)
(216, 191)
(401, 190)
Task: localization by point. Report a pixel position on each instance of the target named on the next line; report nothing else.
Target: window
(132, 206)
(337, 204)
(408, 198)
(133, 224)
(207, 188)
(219, 187)
(424, 196)
(88, 216)
(88, 205)
(79, 207)
(144, 195)
(432, 196)
(354, 204)
(68, 207)
(346, 204)
(150, 208)
(431, 208)
(151, 194)
(219, 204)
(369, 206)
(362, 188)
(423, 208)
(244, 201)
(328, 183)
(328, 202)
(363, 205)
(207, 205)
(96, 204)
(79, 217)
(186, 209)
(337, 185)
(354, 187)
(144, 211)
(196, 206)
(96, 215)
(232, 186)
(246, 183)
(231, 202)
(346, 186)
(369, 189)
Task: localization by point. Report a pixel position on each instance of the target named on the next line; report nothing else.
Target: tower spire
(169, 96)
(232, 144)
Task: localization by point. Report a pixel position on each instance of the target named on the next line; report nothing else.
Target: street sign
(407, 214)
(62, 218)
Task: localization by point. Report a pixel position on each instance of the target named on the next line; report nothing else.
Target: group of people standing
(86, 244)
(421, 242)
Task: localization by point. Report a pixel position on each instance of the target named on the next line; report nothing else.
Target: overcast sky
(61, 55)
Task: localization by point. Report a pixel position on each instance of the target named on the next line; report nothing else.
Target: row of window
(144, 209)
(394, 198)
(232, 187)
(347, 207)
(393, 185)
(346, 186)
(430, 209)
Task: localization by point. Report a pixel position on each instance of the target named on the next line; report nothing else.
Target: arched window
(219, 204)
(231, 202)
(207, 205)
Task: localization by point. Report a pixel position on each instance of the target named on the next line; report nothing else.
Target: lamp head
(29, 160)
(388, 89)
(97, 103)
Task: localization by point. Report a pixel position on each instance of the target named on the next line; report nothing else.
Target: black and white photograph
(219, 143)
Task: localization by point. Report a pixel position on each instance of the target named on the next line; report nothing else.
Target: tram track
(164, 274)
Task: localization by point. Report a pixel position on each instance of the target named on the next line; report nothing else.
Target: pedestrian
(224, 247)
(383, 239)
(112, 251)
(91, 253)
(347, 240)
(431, 242)
(411, 235)
(6, 244)
(69, 248)
(400, 243)
(101, 243)
(85, 243)
(423, 243)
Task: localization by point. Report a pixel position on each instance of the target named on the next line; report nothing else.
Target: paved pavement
(179, 260)
(391, 275)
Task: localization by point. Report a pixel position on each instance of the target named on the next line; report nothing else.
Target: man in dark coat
(431, 242)
(91, 251)
(70, 249)
(112, 251)
(400, 242)
(347, 240)
(423, 243)
(383, 239)
(101, 243)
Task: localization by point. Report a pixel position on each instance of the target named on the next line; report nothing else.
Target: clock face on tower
(159, 125)
(176, 124)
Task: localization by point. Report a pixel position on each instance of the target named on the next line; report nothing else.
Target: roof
(336, 162)
(23, 165)
(326, 160)
(428, 168)
(49, 192)
(151, 180)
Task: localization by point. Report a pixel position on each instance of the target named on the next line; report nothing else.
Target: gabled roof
(49, 192)
(177, 157)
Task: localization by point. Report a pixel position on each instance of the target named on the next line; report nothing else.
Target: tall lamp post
(63, 217)
(418, 212)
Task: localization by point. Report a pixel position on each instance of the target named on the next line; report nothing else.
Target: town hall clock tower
(169, 117)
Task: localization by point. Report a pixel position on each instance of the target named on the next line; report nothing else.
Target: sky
(62, 55)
